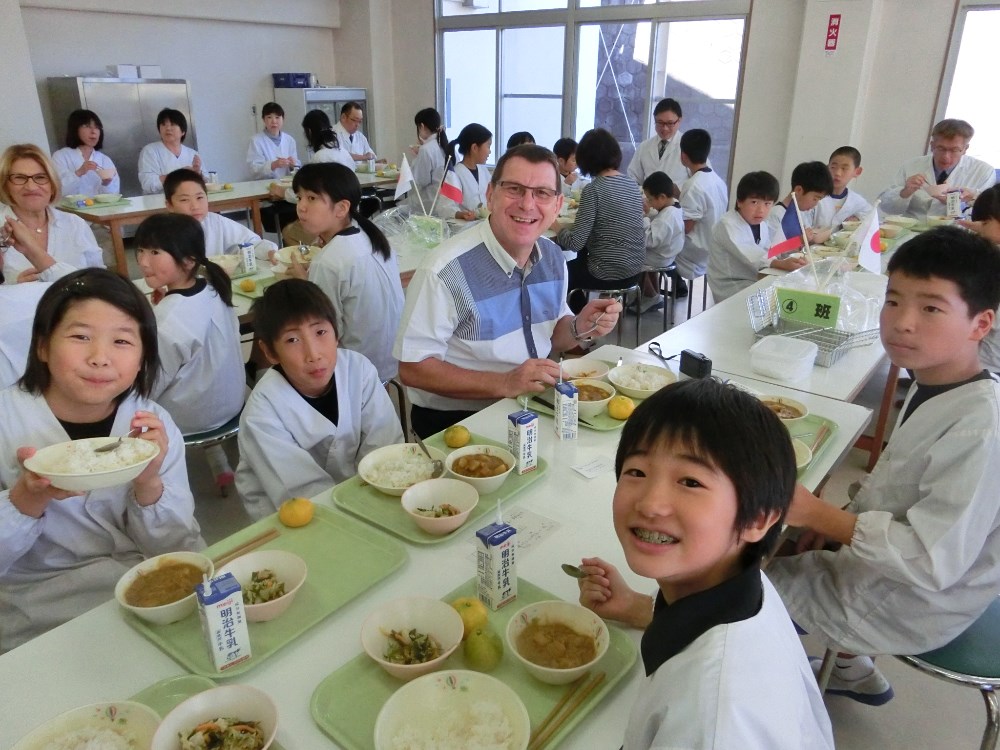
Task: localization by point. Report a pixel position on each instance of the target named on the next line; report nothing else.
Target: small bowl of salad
(412, 636)
(230, 716)
(270, 579)
(439, 506)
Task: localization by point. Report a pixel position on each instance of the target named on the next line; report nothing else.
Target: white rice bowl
(452, 709)
(393, 469)
(76, 467)
(640, 381)
(123, 725)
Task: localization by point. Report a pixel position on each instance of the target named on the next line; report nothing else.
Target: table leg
(874, 443)
(258, 225)
(119, 247)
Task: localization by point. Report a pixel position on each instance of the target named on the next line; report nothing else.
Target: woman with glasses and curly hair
(37, 241)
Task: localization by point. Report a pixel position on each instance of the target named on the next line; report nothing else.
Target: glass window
(479, 7)
(606, 3)
(470, 90)
(531, 84)
(967, 98)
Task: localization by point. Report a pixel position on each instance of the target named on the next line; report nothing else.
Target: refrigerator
(128, 109)
(296, 102)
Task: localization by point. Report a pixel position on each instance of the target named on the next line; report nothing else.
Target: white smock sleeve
(891, 202)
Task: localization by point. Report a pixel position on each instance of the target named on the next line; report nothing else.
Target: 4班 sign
(814, 308)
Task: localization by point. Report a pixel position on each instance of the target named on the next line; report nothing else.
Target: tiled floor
(926, 713)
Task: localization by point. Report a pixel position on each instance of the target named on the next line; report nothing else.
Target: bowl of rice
(74, 466)
(637, 380)
(242, 716)
(270, 579)
(394, 468)
(171, 611)
(412, 636)
(228, 262)
(453, 708)
(123, 725)
(439, 506)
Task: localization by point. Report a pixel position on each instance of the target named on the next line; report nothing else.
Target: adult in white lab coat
(82, 168)
(428, 167)
(921, 185)
(272, 153)
(18, 303)
(470, 174)
(157, 160)
(309, 421)
(661, 152)
(44, 243)
(351, 136)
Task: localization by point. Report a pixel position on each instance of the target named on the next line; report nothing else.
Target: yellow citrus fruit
(227, 186)
(248, 285)
(296, 512)
(473, 613)
(457, 436)
(621, 407)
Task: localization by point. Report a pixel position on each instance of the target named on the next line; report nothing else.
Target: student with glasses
(487, 308)
(921, 185)
(37, 241)
(661, 152)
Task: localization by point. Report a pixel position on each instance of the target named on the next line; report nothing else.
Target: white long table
(97, 656)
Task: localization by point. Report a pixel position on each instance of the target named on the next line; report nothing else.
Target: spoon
(108, 447)
(573, 571)
(437, 465)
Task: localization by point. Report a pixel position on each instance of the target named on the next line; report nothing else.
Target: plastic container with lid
(783, 357)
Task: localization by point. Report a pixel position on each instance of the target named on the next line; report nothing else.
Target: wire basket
(765, 320)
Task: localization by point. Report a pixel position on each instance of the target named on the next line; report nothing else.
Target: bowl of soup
(485, 467)
(593, 396)
(788, 410)
(160, 590)
(557, 641)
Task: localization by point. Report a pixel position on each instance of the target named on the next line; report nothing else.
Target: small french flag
(451, 187)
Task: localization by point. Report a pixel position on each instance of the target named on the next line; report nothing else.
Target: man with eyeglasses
(662, 151)
(921, 186)
(487, 308)
(349, 132)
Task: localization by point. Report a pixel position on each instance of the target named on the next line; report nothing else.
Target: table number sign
(813, 308)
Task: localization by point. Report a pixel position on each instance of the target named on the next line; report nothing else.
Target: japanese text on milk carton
(522, 440)
(223, 621)
(496, 564)
(567, 414)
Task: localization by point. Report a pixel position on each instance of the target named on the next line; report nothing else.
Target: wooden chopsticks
(250, 544)
(820, 434)
(571, 701)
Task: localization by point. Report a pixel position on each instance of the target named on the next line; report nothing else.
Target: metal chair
(972, 659)
(210, 438)
(394, 384)
(666, 286)
(625, 295)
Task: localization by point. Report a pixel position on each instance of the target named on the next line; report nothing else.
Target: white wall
(21, 120)
(226, 62)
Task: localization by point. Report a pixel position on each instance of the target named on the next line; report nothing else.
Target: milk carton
(223, 621)
(249, 258)
(522, 440)
(567, 416)
(496, 566)
(953, 203)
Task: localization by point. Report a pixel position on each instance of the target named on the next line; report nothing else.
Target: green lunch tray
(601, 422)
(164, 696)
(345, 558)
(258, 292)
(806, 429)
(346, 704)
(73, 207)
(360, 499)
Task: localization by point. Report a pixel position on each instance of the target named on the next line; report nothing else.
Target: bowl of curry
(160, 590)
(557, 641)
(485, 467)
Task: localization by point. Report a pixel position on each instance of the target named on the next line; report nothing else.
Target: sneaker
(872, 689)
(650, 303)
(682, 287)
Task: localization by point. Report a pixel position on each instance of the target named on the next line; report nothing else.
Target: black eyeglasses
(542, 195)
(21, 179)
(668, 123)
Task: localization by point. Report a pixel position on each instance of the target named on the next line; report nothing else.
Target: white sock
(217, 460)
(854, 667)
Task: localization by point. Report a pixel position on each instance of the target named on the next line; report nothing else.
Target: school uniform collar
(676, 626)
(191, 291)
(924, 393)
(841, 196)
(501, 256)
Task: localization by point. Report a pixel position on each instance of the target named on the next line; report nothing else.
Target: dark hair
(176, 117)
(953, 128)
(471, 135)
(181, 237)
(696, 144)
(970, 261)
(272, 108)
(598, 150)
(668, 105)
(987, 205)
(812, 177)
(80, 286)
(318, 130)
(734, 432)
(564, 148)
(349, 107)
(659, 183)
(520, 138)
(287, 302)
(531, 153)
(430, 118)
(850, 152)
(339, 183)
(174, 179)
(763, 185)
(76, 120)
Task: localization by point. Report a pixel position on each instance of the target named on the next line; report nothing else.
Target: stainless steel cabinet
(128, 109)
(296, 102)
